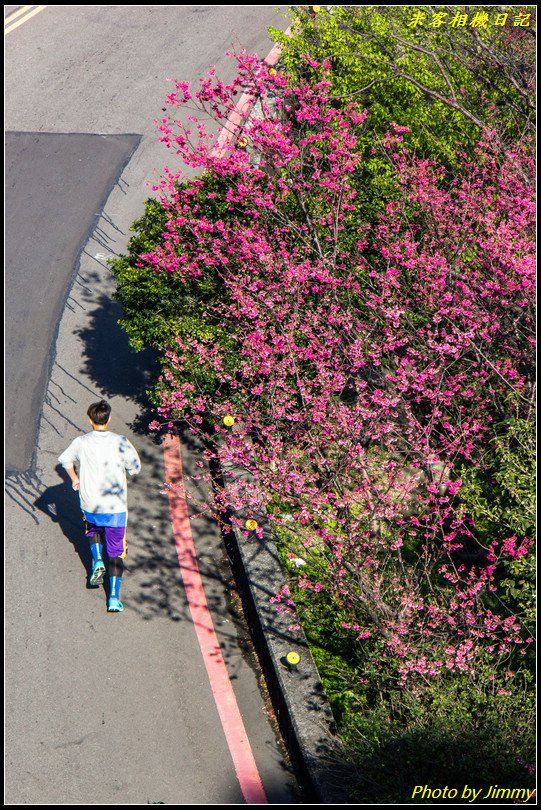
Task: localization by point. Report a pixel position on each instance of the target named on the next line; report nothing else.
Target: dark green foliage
(500, 496)
(149, 300)
(457, 730)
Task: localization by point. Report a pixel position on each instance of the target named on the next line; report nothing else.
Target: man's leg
(94, 535)
(115, 539)
(116, 569)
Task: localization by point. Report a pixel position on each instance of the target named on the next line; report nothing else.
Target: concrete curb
(302, 708)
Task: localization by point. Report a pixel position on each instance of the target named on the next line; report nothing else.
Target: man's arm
(74, 477)
(132, 462)
(68, 459)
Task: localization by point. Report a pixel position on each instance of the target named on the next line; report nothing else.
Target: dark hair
(99, 412)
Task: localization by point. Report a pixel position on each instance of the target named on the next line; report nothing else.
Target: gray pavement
(100, 708)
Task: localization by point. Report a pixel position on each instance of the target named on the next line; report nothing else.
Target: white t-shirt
(102, 459)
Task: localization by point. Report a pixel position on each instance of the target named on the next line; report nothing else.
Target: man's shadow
(61, 504)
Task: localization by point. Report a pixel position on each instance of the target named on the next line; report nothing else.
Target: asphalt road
(103, 708)
(56, 186)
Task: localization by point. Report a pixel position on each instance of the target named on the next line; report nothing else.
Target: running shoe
(98, 573)
(115, 606)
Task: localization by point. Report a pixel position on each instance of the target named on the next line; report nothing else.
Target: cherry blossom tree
(362, 366)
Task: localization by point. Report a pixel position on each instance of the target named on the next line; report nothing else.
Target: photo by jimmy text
(472, 794)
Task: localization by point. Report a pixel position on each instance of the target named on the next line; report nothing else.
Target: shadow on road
(112, 364)
(61, 504)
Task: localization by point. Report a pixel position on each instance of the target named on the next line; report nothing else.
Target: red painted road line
(234, 122)
(228, 710)
(242, 108)
(274, 54)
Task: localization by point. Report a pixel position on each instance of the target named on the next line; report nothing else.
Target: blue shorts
(114, 537)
